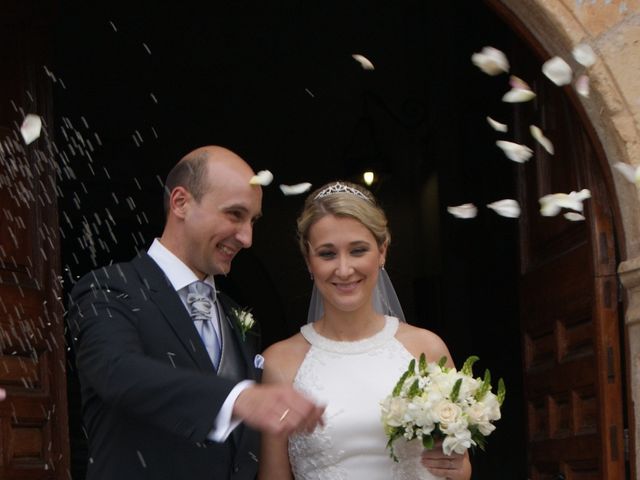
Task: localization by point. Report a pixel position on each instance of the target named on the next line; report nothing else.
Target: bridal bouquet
(435, 402)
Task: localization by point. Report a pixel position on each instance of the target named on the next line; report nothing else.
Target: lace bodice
(351, 378)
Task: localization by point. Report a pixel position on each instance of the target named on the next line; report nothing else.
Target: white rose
(447, 412)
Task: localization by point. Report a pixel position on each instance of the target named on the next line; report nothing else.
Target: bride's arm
(274, 457)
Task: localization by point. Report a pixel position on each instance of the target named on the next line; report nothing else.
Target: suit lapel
(161, 293)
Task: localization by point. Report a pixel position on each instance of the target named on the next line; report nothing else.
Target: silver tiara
(340, 188)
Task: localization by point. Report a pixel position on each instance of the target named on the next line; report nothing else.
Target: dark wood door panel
(33, 418)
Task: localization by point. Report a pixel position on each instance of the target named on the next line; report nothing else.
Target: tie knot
(200, 300)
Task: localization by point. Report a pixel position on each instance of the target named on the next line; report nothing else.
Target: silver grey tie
(201, 304)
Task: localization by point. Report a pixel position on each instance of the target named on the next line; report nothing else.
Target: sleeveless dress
(351, 379)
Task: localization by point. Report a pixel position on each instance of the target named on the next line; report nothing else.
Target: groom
(167, 374)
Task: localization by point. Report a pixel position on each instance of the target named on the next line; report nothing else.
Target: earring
(311, 275)
(382, 266)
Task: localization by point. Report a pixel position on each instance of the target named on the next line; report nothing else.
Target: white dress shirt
(180, 276)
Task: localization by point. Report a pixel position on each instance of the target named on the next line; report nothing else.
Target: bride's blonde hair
(342, 199)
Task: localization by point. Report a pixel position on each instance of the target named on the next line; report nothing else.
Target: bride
(352, 352)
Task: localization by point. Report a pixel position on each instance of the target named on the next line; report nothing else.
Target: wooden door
(568, 294)
(33, 418)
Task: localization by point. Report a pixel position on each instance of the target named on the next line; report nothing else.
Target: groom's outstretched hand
(277, 409)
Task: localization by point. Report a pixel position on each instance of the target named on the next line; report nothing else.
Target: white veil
(385, 300)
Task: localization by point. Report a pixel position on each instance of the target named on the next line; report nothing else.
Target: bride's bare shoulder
(419, 340)
(282, 359)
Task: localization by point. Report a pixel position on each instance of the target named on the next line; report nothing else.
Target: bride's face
(344, 259)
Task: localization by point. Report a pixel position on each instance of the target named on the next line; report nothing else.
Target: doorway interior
(140, 85)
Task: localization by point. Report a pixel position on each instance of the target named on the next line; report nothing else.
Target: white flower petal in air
(263, 177)
(364, 62)
(31, 127)
(573, 216)
(582, 85)
(550, 205)
(515, 151)
(466, 210)
(584, 55)
(506, 208)
(629, 172)
(497, 126)
(558, 71)
(520, 91)
(516, 95)
(541, 139)
(295, 189)
(518, 83)
(491, 61)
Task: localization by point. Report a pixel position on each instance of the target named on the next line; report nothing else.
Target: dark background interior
(137, 86)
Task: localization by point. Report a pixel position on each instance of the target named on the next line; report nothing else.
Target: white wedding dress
(351, 379)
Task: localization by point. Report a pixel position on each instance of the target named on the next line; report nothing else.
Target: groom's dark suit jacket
(150, 394)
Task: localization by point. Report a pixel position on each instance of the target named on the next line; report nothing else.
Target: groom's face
(220, 224)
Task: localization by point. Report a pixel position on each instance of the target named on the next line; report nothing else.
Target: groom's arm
(113, 366)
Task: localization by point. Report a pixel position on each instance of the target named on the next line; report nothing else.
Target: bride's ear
(383, 253)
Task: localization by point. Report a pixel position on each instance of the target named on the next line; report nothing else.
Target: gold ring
(284, 414)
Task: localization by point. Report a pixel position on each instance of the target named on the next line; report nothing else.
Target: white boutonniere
(244, 319)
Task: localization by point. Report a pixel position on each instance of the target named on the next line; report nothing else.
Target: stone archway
(612, 29)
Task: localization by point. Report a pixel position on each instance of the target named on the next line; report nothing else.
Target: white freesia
(491, 61)
(492, 404)
(550, 205)
(263, 177)
(520, 91)
(629, 172)
(507, 208)
(478, 415)
(420, 412)
(364, 62)
(393, 411)
(30, 128)
(584, 55)
(558, 71)
(296, 189)
(582, 85)
(515, 151)
(497, 126)
(466, 210)
(443, 382)
(458, 442)
(541, 139)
